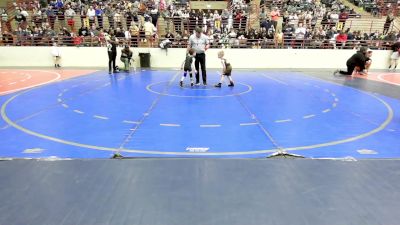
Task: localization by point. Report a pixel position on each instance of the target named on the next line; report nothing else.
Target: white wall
(239, 58)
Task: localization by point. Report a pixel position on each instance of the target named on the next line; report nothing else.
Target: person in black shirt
(119, 33)
(169, 35)
(388, 22)
(83, 31)
(395, 47)
(20, 18)
(7, 38)
(112, 42)
(61, 16)
(355, 62)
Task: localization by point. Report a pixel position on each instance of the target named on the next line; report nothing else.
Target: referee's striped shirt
(198, 44)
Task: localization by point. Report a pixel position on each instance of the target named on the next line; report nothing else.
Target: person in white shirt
(200, 43)
(117, 19)
(128, 36)
(69, 14)
(149, 30)
(24, 13)
(185, 19)
(300, 33)
(56, 53)
(91, 13)
(230, 21)
(334, 19)
(293, 19)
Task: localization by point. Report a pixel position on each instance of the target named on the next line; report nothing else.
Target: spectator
(300, 35)
(77, 40)
(169, 35)
(4, 20)
(83, 32)
(278, 39)
(149, 30)
(61, 17)
(275, 17)
(20, 18)
(99, 16)
(24, 13)
(91, 13)
(117, 18)
(341, 39)
(217, 20)
(134, 30)
(37, 17)
(154, 14)
(51, 16)
(109, 13)
(128, 37)
(334, 18)
(7, 38)
(293, 19)
(388, 22)
(262, 16)
(70, 14)
(119, 33)
(343, 16)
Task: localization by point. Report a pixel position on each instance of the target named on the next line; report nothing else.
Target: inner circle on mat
(209, 91)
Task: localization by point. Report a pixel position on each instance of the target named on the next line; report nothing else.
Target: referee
(199, 42)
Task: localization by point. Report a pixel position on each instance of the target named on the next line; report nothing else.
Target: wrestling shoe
(181, 83)
(335, 73)
(218, 85)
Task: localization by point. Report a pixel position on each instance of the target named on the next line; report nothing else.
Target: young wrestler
(394, 58)
(226, 70)
(187, 67)
(368, 61)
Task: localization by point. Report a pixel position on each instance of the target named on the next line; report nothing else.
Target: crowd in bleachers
(42, 22)
(283, 24)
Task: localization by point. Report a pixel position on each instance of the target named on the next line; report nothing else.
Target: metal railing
(143, 41)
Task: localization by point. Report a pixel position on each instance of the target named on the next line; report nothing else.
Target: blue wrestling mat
(147, 114)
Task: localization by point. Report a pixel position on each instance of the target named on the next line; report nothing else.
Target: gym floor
(91, 114)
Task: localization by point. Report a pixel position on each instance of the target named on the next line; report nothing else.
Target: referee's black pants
(111, 61)
(350, 69)
(200, 60)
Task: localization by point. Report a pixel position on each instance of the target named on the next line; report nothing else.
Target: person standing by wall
(200, 43)
(56, 53)
(112, 42)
